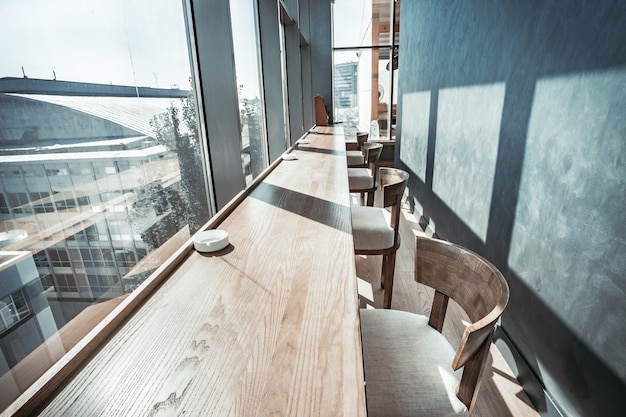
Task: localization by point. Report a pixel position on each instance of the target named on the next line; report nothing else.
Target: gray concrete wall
(294, 82)
(511, 123)
(218, 87)
(320, 47)
(272, 79)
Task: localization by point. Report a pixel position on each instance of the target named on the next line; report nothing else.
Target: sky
(350, 18)
(133, 42)
(125, 42)
(245, 48)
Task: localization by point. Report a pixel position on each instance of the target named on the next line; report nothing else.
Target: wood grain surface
(267, 327)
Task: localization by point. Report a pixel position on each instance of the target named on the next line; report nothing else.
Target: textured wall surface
(512, 123)
(468, 129)
(415, 116)
(570, 220)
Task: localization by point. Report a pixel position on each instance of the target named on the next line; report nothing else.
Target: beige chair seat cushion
(371, 228)
(355, 158)
(360, 179)
(407, 366)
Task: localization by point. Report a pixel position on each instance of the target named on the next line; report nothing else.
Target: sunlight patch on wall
(468, 133)
(570, 222)
(415, 119)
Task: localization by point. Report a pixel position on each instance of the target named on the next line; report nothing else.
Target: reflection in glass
(101, 170)
(251, 107)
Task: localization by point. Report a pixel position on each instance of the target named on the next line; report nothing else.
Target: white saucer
(210, 240)
(289, 157)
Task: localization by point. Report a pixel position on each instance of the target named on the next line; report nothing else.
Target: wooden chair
(387, 155)
(321, 114)
(410, 368)
(365, 180)
(356, 158)
(375, 229)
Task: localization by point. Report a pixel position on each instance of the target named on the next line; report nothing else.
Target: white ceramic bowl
(210, 240)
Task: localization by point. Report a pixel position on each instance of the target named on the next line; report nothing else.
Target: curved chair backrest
(477, 287)
(361, 138)
(393, 181)
(371, 153)
(321, 114)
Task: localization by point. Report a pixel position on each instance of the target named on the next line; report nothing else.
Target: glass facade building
(102, 169)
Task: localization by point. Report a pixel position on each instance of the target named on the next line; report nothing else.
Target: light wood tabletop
(268, 326)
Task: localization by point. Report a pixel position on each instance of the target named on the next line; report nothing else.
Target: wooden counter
(268, 326)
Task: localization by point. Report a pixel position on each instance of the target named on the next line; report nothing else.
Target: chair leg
(389, 266)
(467, 391)
(370, 198)
(382, 274)
(362, 198)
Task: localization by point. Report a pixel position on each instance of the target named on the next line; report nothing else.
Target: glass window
(363, 88)
(4, 207)
(103, 162)
(362, 23)
(365, 45)
(251, 105)
(13, 308)
(67, 283)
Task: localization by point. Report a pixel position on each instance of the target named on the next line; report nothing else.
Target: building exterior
(345, 78)
(91, 186)
(27, 325)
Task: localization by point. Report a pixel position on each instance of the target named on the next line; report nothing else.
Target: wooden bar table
(268, 326)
